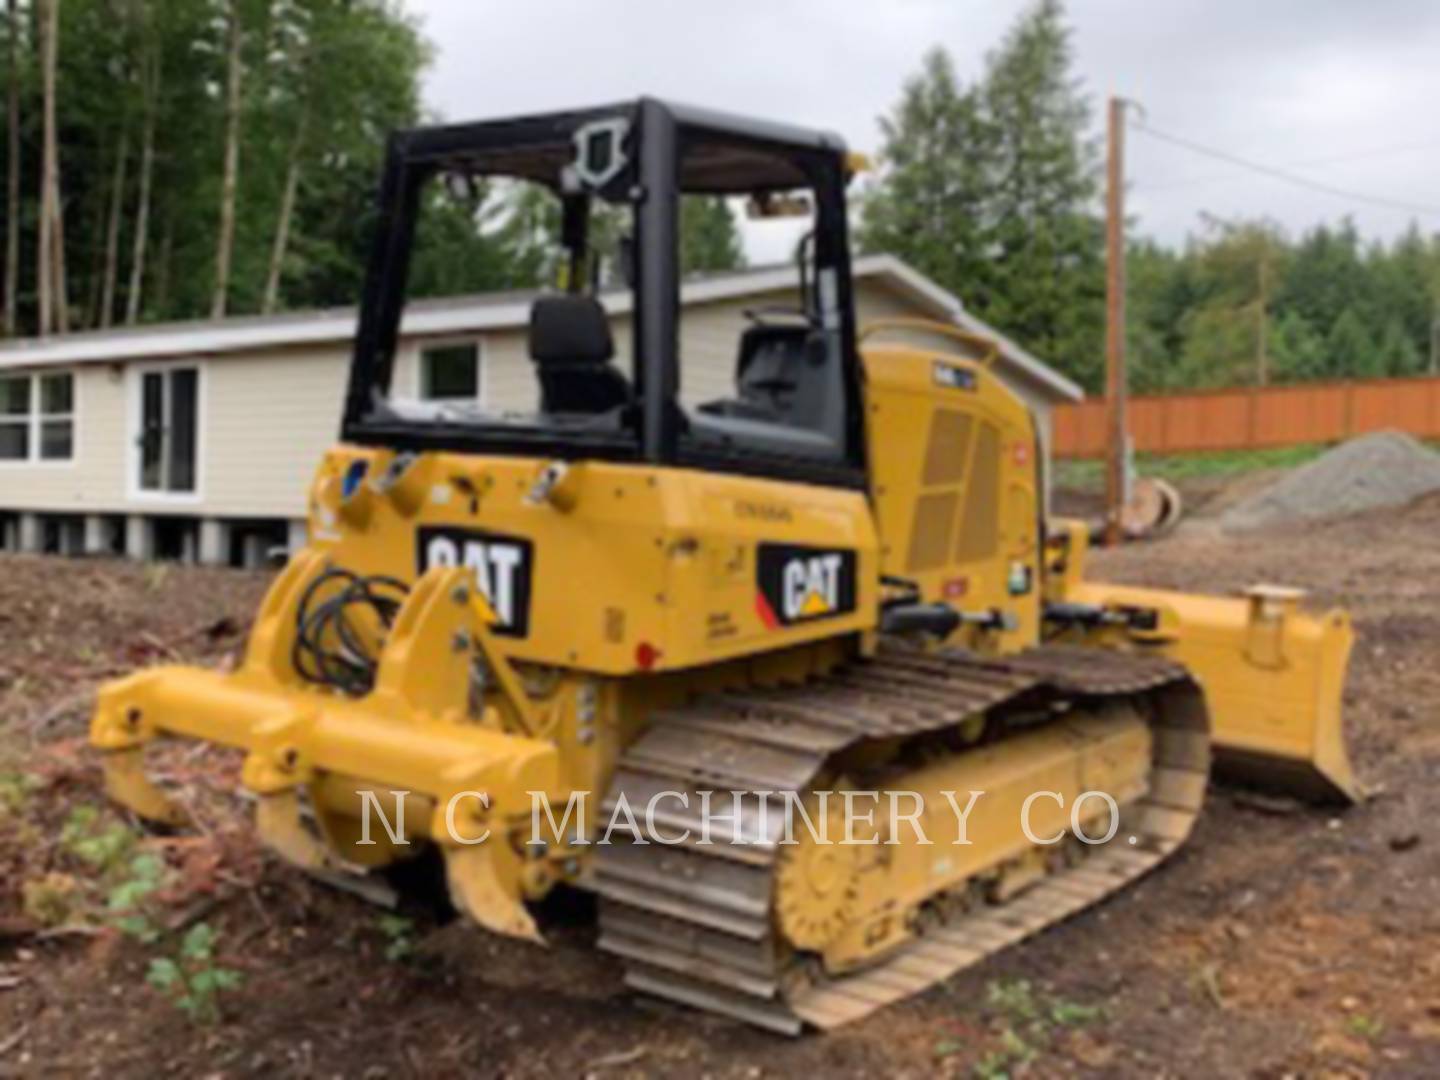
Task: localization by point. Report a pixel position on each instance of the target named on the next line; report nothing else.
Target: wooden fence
(1250, 417)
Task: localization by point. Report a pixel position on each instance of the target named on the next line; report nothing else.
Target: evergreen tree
(1161, 290)
(992, 189)
(1405, 291)
(1350, 350)
(1398, 352)
(709, 237)
(1048, 284)
(930, 203)
(1326, 276)
(1297, 349)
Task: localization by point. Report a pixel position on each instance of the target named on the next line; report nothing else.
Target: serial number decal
(503, 567)
(719, 626)
(758, 511)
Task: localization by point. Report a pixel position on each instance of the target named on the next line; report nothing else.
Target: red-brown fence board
(1245, 418)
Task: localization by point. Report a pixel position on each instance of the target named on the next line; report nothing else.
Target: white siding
(267, 420)
(95, 479)
(267, 416)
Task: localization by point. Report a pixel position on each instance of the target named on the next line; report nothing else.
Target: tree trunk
(287, 213)
(44, 248)
(167, 257)
(135, 291)
(57, 260)
(224, 245)
(99, 197)
(53, 233)
(12, 187)
(43, 280)
(112, 232)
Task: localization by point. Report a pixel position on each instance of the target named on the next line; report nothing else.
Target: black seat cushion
(571, 345)
(771, 367)
(568, 329)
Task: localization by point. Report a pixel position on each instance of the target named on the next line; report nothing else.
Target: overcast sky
(1342, 91)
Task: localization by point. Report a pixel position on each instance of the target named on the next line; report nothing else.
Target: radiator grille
(979, 525)
(931, 530)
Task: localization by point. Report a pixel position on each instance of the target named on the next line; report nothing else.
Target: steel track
(695, 923)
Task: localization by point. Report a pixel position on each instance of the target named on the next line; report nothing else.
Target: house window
(57, 417)
(450, 373)
(37, 417)
(15, 418)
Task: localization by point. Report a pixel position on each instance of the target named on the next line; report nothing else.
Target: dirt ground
(1282, 941)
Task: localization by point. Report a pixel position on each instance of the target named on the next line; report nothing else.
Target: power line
(1288, 177)
(1307, 163)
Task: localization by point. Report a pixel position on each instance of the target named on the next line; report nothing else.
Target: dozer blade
(1273, 676)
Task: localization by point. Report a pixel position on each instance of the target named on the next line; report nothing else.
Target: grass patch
(1025, 1022)
(1367, 1027)
(1089, 475)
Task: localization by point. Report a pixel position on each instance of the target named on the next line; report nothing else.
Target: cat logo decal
(802, 584)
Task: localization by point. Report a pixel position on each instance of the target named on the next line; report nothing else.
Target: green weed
(1028, 1020)
(1367, 1027)
(125, 903)
(192, 979)
(102, 845)
(399, 935)
(15, 791)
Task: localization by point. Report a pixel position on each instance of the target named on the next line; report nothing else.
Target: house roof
(487, 311)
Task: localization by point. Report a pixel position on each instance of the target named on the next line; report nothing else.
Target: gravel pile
(1385, 468)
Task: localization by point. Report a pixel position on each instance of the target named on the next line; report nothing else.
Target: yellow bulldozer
(823, 591)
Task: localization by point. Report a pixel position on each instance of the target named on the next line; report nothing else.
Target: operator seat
(779, 378)
(571, 347)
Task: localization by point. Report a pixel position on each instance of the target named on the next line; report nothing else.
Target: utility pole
(1115, 379)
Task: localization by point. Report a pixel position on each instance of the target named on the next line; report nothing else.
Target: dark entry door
(169, 430)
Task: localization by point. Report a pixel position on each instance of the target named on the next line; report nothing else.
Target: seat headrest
(566, 329)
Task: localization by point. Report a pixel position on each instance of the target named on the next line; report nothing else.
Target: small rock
(1405, 841)
(1090, 1052)
(1426, 1030)
(1275, 805)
